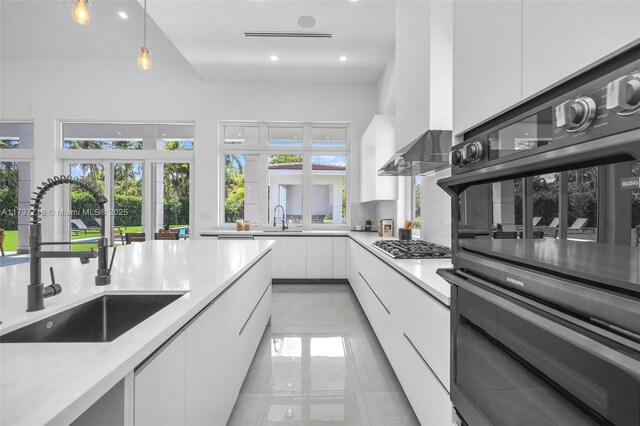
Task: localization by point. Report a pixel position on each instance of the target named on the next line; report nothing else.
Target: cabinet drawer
(378, 275)
(430, 401)
(377, 314)
(427, 323)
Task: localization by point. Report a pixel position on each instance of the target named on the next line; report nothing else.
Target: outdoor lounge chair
(578, 225)
(77, 225)
(171, 236)
(554, 223)
(536, 220)
(134, 237)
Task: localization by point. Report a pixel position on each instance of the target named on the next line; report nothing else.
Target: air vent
(289, 34)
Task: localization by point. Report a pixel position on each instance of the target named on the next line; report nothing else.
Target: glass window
(117, 136)
(416, 197)
(15, 190)
(328, 189)
(171, 197)
(16, 135)
(507, 205)
(241, 135)
(85, 211)
(530, 133)
(127, 199)
(285, 136)
(635, 207)
(327, 136)
(241, 188)
(582, 220)
(285, 187)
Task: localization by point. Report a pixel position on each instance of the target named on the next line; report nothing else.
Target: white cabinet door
(159, 386)
(487, 75)
(376, 148)
(319, 257)
(293, 257)
(275, 255)
(208, 365)
(339, 253)
(561, 37)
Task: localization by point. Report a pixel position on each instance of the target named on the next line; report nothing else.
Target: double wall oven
(545, 302)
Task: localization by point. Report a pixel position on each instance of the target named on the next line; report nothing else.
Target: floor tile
(320, 362)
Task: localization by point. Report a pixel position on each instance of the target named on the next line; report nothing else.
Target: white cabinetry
(195, 378)
(553, 49)
(376, 148)
(319, 257)
(293, 257)
(338, 264)
(487, 59)
(275, 254)
(160, 386)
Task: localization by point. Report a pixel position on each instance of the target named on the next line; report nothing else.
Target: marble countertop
(419, 271)
(56, 382)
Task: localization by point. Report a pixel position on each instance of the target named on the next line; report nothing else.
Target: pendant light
(81, 13)
(144, 57)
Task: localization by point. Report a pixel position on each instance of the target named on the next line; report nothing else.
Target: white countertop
(419, 271)
(56, 382)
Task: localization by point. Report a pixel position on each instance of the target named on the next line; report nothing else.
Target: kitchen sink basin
(99, 320)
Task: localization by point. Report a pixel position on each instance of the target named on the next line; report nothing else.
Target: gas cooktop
(412, 249)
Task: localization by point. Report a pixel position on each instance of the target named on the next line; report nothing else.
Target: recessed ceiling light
(119, 133)
(239, 134)
(123, 14)
(343, 59)
(164, 134)
(353, 0)
(326, 137)
(274, 58)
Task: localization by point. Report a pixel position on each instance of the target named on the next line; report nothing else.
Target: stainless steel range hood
(428, 152)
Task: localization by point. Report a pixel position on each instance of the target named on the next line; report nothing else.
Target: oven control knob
(623, 95)
(575, 115)
(457, 158)
(474, 151)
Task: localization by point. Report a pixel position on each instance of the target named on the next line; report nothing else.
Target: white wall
(386, 90)
(47, 91)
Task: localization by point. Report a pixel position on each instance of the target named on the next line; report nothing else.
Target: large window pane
(635, 207)
(507, 205)
(328, 189)
(171, 189)
(241, 188)
(15, 189)
(285, 136)
(582, 221)
(241, 135)
(119, 136)
(328, 136)
(127, 199)
(84, 209)
(285, 187)
(16, 135)
(417, 199)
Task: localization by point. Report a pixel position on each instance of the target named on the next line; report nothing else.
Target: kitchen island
(57, 382)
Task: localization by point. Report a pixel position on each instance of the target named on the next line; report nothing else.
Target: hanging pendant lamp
(81, 13)
(144, 57)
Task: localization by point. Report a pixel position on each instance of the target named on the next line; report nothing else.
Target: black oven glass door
(517, 368)
(532, 132)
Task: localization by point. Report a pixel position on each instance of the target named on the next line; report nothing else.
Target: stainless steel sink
(99, 320)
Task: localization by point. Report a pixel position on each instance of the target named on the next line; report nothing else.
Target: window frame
(264, 150)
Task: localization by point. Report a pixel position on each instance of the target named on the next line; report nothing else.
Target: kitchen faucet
(36, 291)
(284, 217)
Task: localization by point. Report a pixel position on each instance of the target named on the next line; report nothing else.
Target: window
(285, 136)
(16, 135)
(635, 205)
(329, 189)
(115, 158)
(127, 136)
(416, 199)
(302, 167)
(582, 220)
(15, 190)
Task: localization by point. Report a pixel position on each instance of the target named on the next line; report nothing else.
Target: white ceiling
(210, 35)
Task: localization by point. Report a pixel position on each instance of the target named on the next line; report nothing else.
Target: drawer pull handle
(374, 293)
(425, 362)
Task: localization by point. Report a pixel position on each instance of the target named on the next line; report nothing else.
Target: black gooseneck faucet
(36, 290)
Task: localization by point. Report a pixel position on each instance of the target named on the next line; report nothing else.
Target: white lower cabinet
(319, 257)
(195, 378)
(293, 257)
(160, 386)
(275, 255)
(339, 253)
(413, 329)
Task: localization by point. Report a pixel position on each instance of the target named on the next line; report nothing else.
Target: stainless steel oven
(545, 304)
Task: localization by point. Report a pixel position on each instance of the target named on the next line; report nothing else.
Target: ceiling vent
(289, 34)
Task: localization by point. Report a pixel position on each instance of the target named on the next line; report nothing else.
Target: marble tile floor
(319, 362)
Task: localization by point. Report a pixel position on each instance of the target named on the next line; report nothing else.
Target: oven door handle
(594, 347)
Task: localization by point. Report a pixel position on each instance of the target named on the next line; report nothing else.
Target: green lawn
(11, 238)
